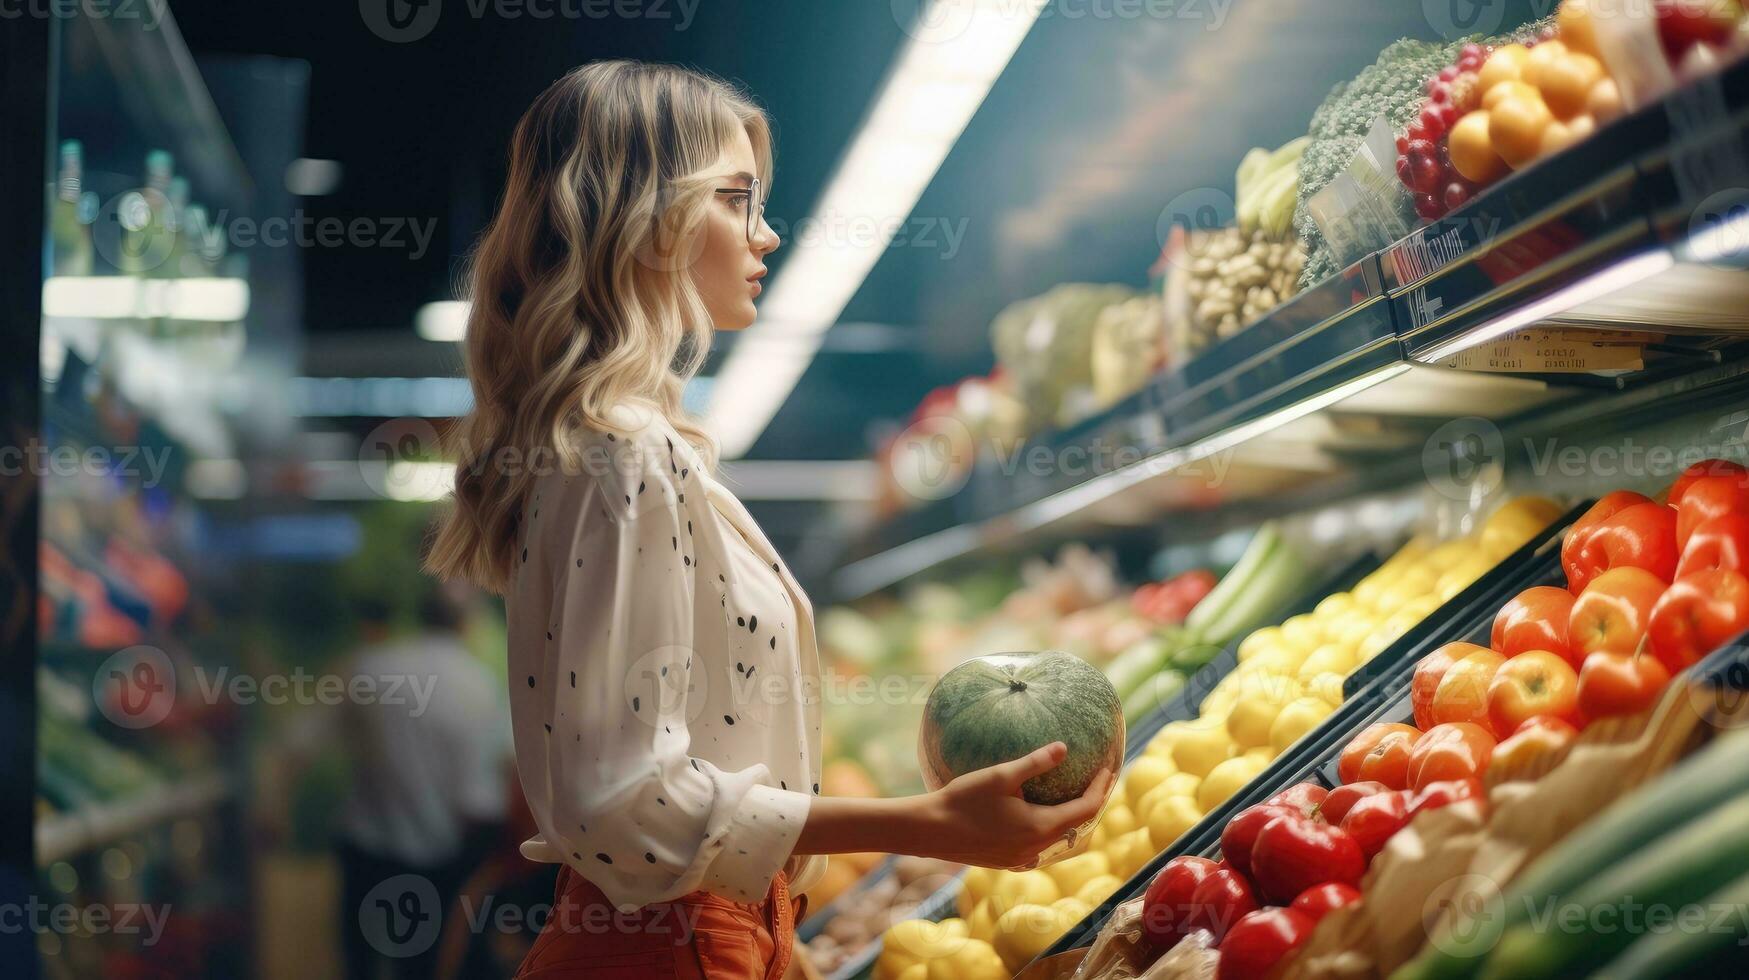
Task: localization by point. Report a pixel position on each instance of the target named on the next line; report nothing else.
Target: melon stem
(1016, 686)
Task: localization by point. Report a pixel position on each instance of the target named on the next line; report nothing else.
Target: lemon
(1228, 778)
(1277, 660)
(1096, 841)
(975, 959)
(1025, 931)
(916, 941)
(1335, 605)
(1329, 658)
(1177, 784)
(1017, 888)
(1366, 591)
(1118, 820)
(1326, 688)
(1296, 719)
(1144, 774)
(916, 971)
(1168, 821)
(1201, 749)
(1248, 725)
(1259, 641)
(1073, 907)
(977, 881)
(1099, 889)
(1131, 851)
(981, 924)
(1071, 873)
(1303, 631)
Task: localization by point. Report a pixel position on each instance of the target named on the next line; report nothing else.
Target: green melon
(991, 709)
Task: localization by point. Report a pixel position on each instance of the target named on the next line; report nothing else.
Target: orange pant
(693, 937)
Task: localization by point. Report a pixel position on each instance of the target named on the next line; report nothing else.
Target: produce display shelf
(1639, 229)
(932, 908)
(1183, 705)
(76, 832)
(816, 922)
(1462, 617)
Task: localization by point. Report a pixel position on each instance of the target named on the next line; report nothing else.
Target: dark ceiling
(1099, 121)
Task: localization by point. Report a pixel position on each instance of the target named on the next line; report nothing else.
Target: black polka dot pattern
(583, 605)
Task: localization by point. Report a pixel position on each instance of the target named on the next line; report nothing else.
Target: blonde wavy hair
(580, 287)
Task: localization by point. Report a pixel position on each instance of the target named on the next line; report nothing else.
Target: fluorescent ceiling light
(956, 51)
(214, 299)
(443, 321)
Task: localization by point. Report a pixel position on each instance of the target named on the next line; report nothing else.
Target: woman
(664, 685)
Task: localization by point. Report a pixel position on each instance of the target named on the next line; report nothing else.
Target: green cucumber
(1237, 582)
(1714, 774)
(1686, 950)
(1142, 660)
(1683, 866)
(1151, 694)
(1277, 583)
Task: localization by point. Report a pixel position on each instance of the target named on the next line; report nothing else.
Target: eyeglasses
(754, 203)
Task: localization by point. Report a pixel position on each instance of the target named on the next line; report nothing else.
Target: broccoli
(1394, 86)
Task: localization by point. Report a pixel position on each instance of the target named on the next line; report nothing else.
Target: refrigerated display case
(1571, 329)
(144, 384)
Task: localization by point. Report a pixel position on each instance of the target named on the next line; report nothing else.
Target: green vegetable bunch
(1393, 86)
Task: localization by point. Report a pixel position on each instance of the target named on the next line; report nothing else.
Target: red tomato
(1606, 507)
(1320, 900)
(1463, 691)
(1294, 853)
(1260, 940)
(1535, 738)
(1697, 614)
(1722, 542)
(1707, 498)
(1428, 674)
(1379, 753)
(1611, 615)
(1344, 797)
(1304, 797)
(1533, 683)
(1166, 905)
(1445, 793)
(1641, 536)
(1620, 684)
(1457, 750)
(1373, 820)
(1220, 900)
(1706, 467)
(1535, 619)
(1240, 834)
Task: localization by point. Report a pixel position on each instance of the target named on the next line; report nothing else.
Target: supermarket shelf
(69, 834)
(1378, 693)
(1635, 231)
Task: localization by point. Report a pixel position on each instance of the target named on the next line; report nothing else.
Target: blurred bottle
(147, 238)
(69, 237)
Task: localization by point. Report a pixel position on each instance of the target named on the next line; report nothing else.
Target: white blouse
(666, 742)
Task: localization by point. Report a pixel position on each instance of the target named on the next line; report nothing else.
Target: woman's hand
(980, 817)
